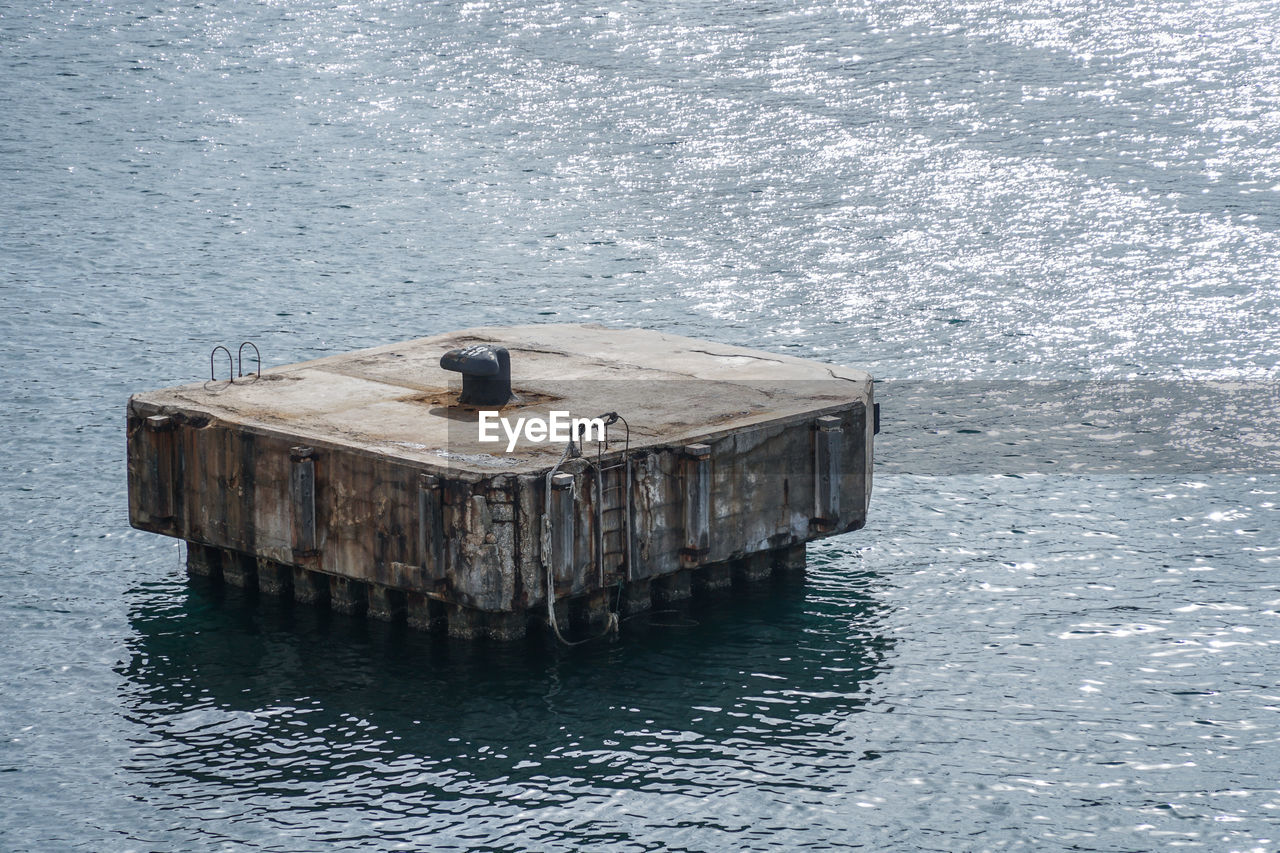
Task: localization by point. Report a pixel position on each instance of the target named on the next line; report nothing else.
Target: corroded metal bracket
(827, 446)
(431, 526)
(302, 494)
(562, 524)
(163, 468)
(697, 503)
(858, 465)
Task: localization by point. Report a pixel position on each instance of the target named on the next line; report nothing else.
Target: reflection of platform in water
(359, 478)
(235, 691)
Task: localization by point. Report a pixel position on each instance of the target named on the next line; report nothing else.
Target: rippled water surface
(1052, 228)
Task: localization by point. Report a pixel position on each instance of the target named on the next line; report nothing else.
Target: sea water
(1048, 228)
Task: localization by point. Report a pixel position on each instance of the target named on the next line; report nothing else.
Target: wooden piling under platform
(366, 482)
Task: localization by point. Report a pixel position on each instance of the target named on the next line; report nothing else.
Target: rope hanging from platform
(572, 450)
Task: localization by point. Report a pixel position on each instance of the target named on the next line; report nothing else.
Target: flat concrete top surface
(396, 400)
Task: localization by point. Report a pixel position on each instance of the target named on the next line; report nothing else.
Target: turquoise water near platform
(1050, 229)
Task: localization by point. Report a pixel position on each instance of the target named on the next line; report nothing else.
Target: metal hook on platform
(231, 377)
(240, 357)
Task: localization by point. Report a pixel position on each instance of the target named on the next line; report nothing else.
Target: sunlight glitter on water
(1050, 635)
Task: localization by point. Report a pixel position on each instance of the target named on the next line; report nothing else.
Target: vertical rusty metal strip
(247, 462)
(162, 468)
(302, 492)
(828, 438)
(562, 527)
(697, 502)
(860, 444)
(431, 526)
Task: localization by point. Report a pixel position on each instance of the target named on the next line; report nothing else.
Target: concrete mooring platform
(381, 483)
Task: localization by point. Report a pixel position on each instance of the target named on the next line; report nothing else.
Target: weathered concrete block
(239, 570)
(422, 613)
(384, 603)
(753, 567)
(347, 596)
(310, 587)
(674, 587)
(204, 561)
(465, 623)
(637, 597)
(591, 611)
(274, 578)
(712, 577)
(790, 559)
(506, 627)
(563, 608)
(363, 480)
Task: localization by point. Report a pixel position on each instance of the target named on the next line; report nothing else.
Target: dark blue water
(1052, 228)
